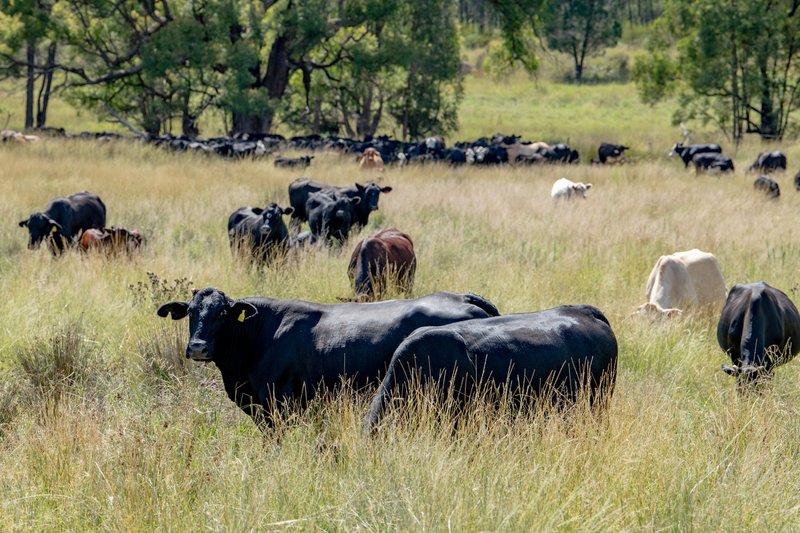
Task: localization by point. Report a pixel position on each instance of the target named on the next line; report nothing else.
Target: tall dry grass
(145, 441)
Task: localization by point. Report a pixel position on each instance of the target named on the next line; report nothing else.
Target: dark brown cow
(113, 240)
(381, 260)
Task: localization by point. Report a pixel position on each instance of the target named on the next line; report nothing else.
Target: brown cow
(113, 240)
(381, 260)
(370, 159)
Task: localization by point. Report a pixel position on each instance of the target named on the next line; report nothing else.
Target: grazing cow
(564, 189)
(114, 240)
(611, 153)
(380, 261)
(63, 219)
(769, 162)
(330, 215)
(272, 351)
(15, 136)
(292, 162)
(370, 159)
(520, 151)
(711, 161)
(455, 156)
(368, 194)
(555, 352)
(487, 155)
(758, 320)
(261, 231)
(767, 185)
(684, 281)
(561, 153)
(797, 181)
(435, 144)
(686, 153)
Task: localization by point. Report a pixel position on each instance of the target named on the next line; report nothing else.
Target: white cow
(566, 189)
(684, 281)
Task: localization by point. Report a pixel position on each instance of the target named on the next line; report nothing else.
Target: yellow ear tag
(55, 229)
(241, 316)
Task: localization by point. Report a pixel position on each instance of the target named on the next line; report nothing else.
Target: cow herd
(272, 353)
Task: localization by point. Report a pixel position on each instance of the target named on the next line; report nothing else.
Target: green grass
(133, 437)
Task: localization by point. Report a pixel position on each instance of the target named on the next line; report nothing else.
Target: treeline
(318, 66)
(733, 64)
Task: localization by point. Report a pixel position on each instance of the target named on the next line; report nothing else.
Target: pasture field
(104, 425)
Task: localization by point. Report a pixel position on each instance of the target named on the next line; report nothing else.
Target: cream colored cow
(682, 282)
(564, 189)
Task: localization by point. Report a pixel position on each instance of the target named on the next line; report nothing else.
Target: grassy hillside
(104, 425)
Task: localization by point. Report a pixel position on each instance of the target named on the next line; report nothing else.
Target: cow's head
(209, 312)
(337, 217)
(758, 367)
(272, 224)
(579, 189)
(40, 227)
(676, 150)
(370, 194)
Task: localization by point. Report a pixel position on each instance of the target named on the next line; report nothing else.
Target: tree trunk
(769, 127)
(45, 90)
(29, 84)
(188, 121)
(275, 82)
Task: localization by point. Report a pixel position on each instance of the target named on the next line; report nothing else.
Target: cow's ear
(588, 185)
(730, 370)
(288, 210)
(355, 201)
(178, 310)
(386, 189)
(360, 187)
(54, 226)
(243, 311)
(23, 223)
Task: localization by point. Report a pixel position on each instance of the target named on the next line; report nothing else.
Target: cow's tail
(483, 303)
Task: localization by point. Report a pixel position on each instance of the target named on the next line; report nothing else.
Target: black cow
(769, 162)
(767, 185)
(558, 350)
(561, 153)
(272, 350)
(611, 153)
(64, 219)
(712, 161)
(797, 181)
(261, 231)
(455, 156)
(756, 320)
(330, 215)
(368, 193)
(688, 152)
(291, 162)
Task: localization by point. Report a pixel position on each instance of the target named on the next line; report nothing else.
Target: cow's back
(706, 277)
(79, 211)
(299, 190)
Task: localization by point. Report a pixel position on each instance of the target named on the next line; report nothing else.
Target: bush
(59, 363)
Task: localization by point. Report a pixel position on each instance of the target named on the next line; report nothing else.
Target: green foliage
(403, 62)
(739, 63)
(655, 75)
(583, 28)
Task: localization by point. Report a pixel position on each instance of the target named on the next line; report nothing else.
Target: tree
(583, 28)
(26, 29)
(736, 64)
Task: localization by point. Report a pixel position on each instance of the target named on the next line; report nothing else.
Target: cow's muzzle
(198, 351)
